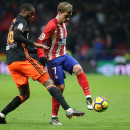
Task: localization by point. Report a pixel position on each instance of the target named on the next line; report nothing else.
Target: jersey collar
(56, 21)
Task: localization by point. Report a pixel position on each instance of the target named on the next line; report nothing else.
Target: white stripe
(64, 25)
(61, 36)
(64, 50)
(52, 46)
(65, 29)
(61, 31)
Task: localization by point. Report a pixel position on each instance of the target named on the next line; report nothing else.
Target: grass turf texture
(35, 113)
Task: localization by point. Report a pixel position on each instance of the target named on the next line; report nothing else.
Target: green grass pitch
(35, 113)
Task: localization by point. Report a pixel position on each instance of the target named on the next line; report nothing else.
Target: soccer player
(22, 66)
(58, 59)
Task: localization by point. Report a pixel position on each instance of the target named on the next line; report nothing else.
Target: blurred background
(98, 32)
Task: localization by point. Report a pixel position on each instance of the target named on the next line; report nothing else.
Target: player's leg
(22, 83)
(55, 104)
(83, 82)
(35, 71)
(72, 66)
(23, 96)
(55, 107)
(55, 92)
(56, 73)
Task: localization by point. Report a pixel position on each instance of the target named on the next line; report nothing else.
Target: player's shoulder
(19, 23)
(20, 19)
(51, 24)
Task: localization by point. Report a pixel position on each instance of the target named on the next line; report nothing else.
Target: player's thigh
(36, 71)
(57, 74)
(24, 90)
(45, 80)
(33, 69)
(69, 63)
(18, 77)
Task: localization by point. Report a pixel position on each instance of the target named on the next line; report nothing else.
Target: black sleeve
(31, 49)
(20, 38)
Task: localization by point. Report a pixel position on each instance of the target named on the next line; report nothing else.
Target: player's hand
(43, 61)
(37, 45)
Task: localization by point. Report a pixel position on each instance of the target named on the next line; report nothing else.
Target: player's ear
(24, 12)
(58, 12)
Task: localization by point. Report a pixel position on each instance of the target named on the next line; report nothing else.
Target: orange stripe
(50, 86)
(22, 98)
(26, 51)
(36, 66)
(31, 61)
(14, 20)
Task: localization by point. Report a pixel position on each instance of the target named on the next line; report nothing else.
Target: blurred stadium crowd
(98, 28)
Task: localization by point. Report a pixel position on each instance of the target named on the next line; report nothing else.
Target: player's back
(14, 49)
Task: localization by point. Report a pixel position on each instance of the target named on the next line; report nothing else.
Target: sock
(2, 115)
(69, 110)
(54, 116)
(55, 107)
(82, 79)
(55, 92)
(12, 105)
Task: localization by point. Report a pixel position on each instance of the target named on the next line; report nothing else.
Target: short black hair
(26, 6)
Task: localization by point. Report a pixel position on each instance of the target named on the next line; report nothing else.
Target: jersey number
(10, 38)
(56, 76)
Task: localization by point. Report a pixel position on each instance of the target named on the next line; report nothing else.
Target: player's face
(29, 15)
(64, 17)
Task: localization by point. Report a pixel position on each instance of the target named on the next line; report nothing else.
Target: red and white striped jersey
(55, 36)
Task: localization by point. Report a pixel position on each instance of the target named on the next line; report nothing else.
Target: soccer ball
(100, 104)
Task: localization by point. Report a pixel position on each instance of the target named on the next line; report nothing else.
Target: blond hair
(65, 6)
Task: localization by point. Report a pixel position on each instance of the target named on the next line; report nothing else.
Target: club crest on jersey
(20, 26)
(42, 36)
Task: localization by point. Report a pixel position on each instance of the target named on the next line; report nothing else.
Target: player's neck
(58, 19)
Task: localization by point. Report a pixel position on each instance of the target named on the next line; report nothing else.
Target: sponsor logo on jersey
(20, 26)
(13, 45)
(62, 41)
(42, 36)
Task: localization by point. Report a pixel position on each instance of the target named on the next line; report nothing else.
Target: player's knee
(61, 87)
(77, 69)
(48, 83)
(26, 97)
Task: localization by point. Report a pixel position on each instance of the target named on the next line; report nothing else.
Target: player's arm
(31, 49)
(41, 52)
(20, 38)
(46, 33)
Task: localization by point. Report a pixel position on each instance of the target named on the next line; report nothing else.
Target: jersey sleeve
(21, 25)
(46, 33)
